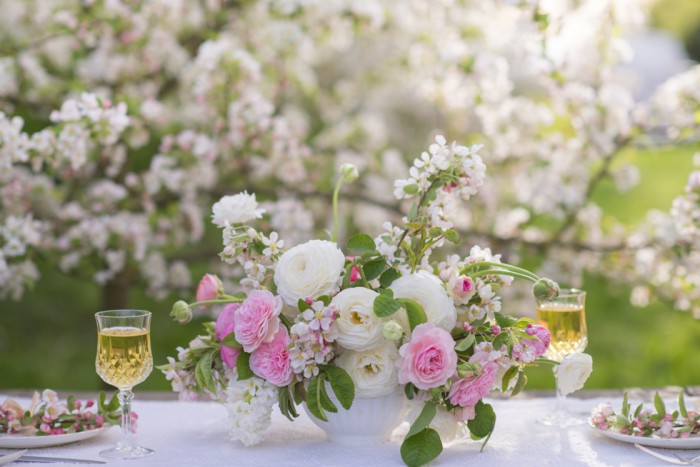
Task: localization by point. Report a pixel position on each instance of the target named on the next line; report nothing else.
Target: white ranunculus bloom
(309, 270)
(425, 289)
(358, 327)
(373, 371)
(236, 209)
(573, 371)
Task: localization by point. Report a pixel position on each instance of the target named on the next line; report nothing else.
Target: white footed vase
(369, 420)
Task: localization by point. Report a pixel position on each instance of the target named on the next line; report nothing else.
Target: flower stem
(509, 267)
(504, 272)
(231, 299)
(336, 192)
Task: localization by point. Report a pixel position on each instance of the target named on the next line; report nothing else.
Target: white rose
(373, 371)
(235, 209)
(309, 270)
(573, 371)
(358, 327)
(425, 289)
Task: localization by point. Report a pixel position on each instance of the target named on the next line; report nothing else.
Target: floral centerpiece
(316, 321)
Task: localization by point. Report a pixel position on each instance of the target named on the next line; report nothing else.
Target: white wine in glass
(124, 360)
(565, 318)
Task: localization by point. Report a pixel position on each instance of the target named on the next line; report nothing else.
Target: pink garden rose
(230, 355)
(467, 392)
(257, 319)
(225, 322)
(209, 288)
(429, 359)
(271, 360)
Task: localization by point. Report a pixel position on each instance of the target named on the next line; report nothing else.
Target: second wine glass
(565, 318)
(124, 360)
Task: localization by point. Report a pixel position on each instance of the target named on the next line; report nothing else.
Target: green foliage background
(48, 339)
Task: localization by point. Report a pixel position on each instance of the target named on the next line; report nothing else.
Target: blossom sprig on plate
(658, 423)
(314, 321)
(49, 415)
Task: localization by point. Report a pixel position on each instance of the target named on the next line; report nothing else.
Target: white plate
(33, 441)
(692, 442)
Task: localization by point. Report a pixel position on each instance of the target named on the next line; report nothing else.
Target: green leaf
(507, 377)
(342, 385)
(361, 243)
(504, 320)
(465, 343)
(415, 312)
(113, 403)
(421, 448)
(388, 277)
(326, 401)
(452, 235)
(203, 374)
(243, 366)
(681, 406)
(374, 269)
(313, 399)
(410, 189)
(230, 341)
(70, 403)
(385, 306)
(484, 422)
(519, 384)
(423, 421)
(639, 410)
(302, 305)
(625, 406)
(500, 340)
(659, 405)
(409, 390)
(388, 292)
(413, 212)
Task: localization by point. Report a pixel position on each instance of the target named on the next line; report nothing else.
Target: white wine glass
(124, 360)
(565, 318)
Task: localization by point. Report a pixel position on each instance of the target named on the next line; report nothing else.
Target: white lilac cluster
(312, 335)
(249, 404)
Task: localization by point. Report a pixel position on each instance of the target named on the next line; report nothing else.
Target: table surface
(194, 434)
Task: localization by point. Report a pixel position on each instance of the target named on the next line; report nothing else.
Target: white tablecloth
(193, 434)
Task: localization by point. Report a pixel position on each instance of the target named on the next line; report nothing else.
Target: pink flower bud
(309, 301)
(468, 327)
(99, 420)
(209, 288)
(44, 427)
(89, 404)
(354, 274)
(496, 330)
(87, 415)
(78, 404)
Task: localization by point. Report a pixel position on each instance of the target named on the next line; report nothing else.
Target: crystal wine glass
(124, 360)
(565, 317)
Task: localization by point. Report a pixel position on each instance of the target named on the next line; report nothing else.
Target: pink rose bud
(209, 288)
(496, 330)
(354, 274)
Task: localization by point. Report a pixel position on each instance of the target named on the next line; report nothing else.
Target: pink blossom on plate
(467, 392)
(229, 355)
(429, 359)
(271, 360)
(209, 288)
(225, 323)
(257, 320)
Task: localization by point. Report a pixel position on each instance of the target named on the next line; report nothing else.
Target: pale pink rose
(429, 359)
(209, 288)
(271, 360)
(225, 322)
(257, 319)
(467, 392)
(463, 414)
(230, 355)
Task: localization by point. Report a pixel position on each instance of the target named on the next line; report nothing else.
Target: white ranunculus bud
(573, 371)
(358, 327)
(349, 172)
(309, 270)
(426, 290)
(392, 330)
(373, 371)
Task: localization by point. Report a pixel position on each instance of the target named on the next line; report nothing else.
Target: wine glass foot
(561, 419)
(126, 452)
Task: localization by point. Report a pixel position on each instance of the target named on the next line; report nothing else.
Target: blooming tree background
(124, 121)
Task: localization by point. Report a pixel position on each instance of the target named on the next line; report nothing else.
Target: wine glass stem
(125, 397)
(561, 398)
